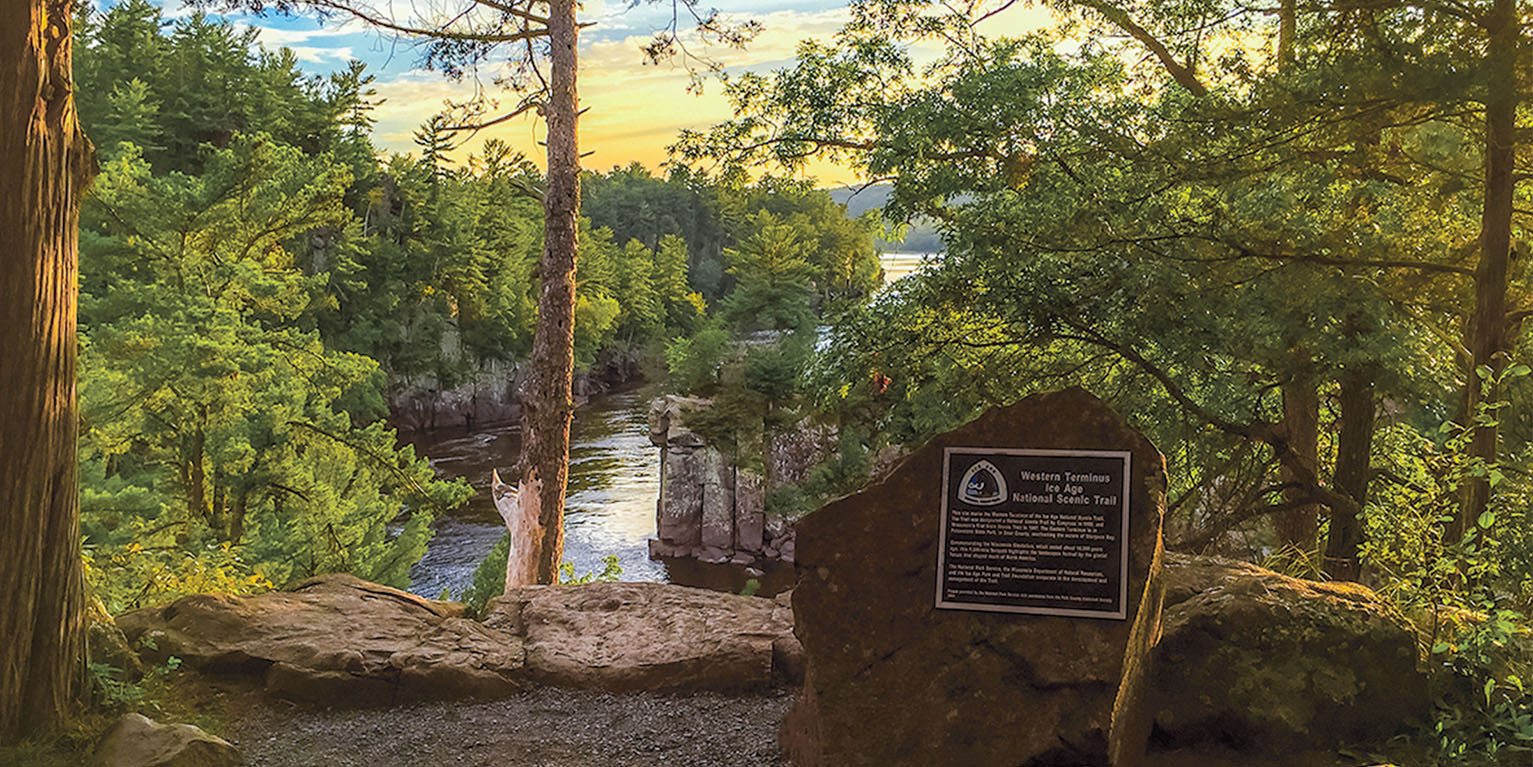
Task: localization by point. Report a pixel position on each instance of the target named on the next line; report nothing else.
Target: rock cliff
(709, 508)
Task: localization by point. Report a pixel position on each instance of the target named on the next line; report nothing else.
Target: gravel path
(540, 728)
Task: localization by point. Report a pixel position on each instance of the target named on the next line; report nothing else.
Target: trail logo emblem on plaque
(983, 485)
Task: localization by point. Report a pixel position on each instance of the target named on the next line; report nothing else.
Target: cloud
(635, 109)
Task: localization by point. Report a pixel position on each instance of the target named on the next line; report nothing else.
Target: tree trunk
(1354, 451)
(237, 516)
(1301, 424)
(194, 473)
(45, 163)
(1288, 22)
(546, 403)
(1487, 327)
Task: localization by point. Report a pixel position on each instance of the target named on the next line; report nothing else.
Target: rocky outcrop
(137, 741)
(649, 636)
(709, 509)
(1261, 663)
(792, 453)
(336, 639)
(422, 403)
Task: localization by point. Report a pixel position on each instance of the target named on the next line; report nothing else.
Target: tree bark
(1488, 325)
(1299, 526)
(1354, 451)
(45, 163)
(546, 403)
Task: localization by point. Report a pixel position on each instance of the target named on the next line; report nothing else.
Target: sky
(635, 110)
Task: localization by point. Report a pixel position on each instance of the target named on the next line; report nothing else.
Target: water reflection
(609, 510)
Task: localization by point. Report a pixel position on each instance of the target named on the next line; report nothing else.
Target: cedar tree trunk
(45, 163)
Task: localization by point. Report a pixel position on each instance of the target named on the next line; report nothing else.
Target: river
(609, 510)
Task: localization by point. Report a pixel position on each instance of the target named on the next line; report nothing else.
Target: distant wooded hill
(922, 237)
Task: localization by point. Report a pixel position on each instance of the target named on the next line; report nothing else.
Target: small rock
(713, 555)
(137, 741)
(106, 645)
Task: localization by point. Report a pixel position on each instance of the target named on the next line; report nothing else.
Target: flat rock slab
(336, 639)
(649, 636)
(1265, 664)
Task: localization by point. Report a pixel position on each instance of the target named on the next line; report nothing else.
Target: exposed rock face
(709, 509)
(1267, 664)
(337, 639)
(791, 454)
(137, 741)
(893, 681)
(649, 636)
(489, 396)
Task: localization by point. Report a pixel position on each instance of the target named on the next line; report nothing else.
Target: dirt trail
(539, 728)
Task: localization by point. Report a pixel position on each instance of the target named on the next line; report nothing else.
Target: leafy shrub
(490, 576)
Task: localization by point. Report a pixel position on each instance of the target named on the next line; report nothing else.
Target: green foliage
(490, 576)
(611, 571)
(220, 445)
(1468, 597)
(695, 362)
(489, 579)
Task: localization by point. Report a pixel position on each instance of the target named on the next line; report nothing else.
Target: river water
(609, 509)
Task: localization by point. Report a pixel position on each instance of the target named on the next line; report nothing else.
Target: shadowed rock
(893, 680)
(1265, 664)
(137, 741)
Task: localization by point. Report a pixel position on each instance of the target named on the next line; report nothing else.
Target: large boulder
(336, 639)
(649, 636)
(137, 741)
(892, 680)
(1261, 663)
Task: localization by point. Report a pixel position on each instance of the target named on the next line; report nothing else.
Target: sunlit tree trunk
(546, 401)
(45, 162)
